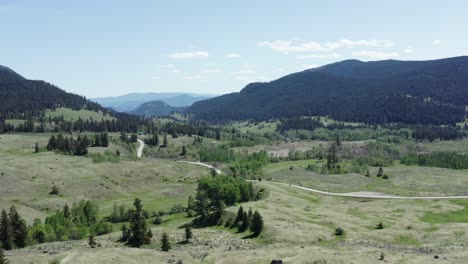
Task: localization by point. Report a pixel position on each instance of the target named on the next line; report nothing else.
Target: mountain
(424, 92)
(156, 108)
(20, 97)
(128, 102)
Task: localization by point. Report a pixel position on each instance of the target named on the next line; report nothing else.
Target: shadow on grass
(250, 236)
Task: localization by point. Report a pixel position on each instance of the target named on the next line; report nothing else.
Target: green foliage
(6, 231)
(92, 241)
(256, 224)
(339, 231)
(119, 214)
(379, 226)
(165, 243)
(140, 234)
(3, 259)
(55, 190)
(108, 156)
(449, 160)
(188, 233)
(216, 153)
(378, 154)
(19, 227)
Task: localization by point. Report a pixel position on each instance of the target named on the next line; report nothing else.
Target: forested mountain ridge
(425, 92)
(20, 97)
(156, 108)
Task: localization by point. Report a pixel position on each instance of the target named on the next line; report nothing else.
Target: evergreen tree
(3, 259)
(66, 211)
(188, 233)
(92, 241)
(36, 148)
(117, 152)
(245, 223)
(257, 224)
(6, 231)
(165, 243)
(138, 227)
(218, 134)
(240, 214)
(184, 151)
(380, 173)
(149, 235)
(165, 141)
(19, 227)
(190, 206)
(104, 139)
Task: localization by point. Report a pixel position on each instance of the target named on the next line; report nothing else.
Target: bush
(339, 231)
(55, 190)
(379, 226)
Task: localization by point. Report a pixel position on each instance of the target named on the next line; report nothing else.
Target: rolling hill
(425, 92)
(129, 102)
(20, 97)
(156, 108)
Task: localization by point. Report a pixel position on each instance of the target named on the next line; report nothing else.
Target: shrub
(339, 231)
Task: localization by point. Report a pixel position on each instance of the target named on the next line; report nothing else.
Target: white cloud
(244, 72)
(287, 46)
(155, 77)
(189, 55)
(408, 49)
(212, 71)
(232, 55)
(175, 71)
(436, 42)
(194, 77)
(374, 55)
(319, 56)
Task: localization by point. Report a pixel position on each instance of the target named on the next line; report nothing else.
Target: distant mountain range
(129, 102)
(156, 108)
(424, 92)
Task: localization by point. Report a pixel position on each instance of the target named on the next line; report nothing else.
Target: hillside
(20, 97)
(426, 92)
(156, 108)
(129, 102)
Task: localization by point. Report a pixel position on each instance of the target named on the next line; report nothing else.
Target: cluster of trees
(432, 133)
(449, 160)
(248, 220)
(69, 145)
(70, 224)
(215, 193)
(249, 164)
(13, 230)
(78, 146)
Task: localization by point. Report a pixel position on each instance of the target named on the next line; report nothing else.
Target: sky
(114, 47)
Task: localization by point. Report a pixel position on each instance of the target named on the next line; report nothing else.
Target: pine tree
(6, 231)
(218, 134)
(188, 233)
(165, 243)
(190, 206)
(184, 151)
(245, 223)
(240, 214)
(36, 148)
(380, 173)
(19, 227)
(3, 259)
(138, 226)
(92, 241)
(257, 224)
(165, 141)
(66, 211)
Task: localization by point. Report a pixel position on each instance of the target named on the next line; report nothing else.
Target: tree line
(449, 160)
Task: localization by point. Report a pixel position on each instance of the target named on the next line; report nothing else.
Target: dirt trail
(140, 148)
(218, 171)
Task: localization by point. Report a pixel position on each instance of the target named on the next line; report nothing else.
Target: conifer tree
(36, 148)
(245, 223)
(188, 233)
(66, 211)
(138, 227)
(92, 241)
(240, 214)
(165, 141)
(165, 243)
(184, 151)
(257, 224)
(380, 172)
(19, 227)
(6, 231)
(3, 259)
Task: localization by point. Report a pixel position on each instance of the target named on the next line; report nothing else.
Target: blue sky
(104, 48)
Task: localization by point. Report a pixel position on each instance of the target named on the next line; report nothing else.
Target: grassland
(84, 114)
(299, 225)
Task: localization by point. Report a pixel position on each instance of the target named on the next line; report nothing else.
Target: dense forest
(411, 92)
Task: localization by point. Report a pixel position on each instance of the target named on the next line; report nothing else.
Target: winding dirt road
(140, 148)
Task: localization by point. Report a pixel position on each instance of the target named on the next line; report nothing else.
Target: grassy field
(299, 228)
(84, 114)
(299, 225)
(403, 180)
